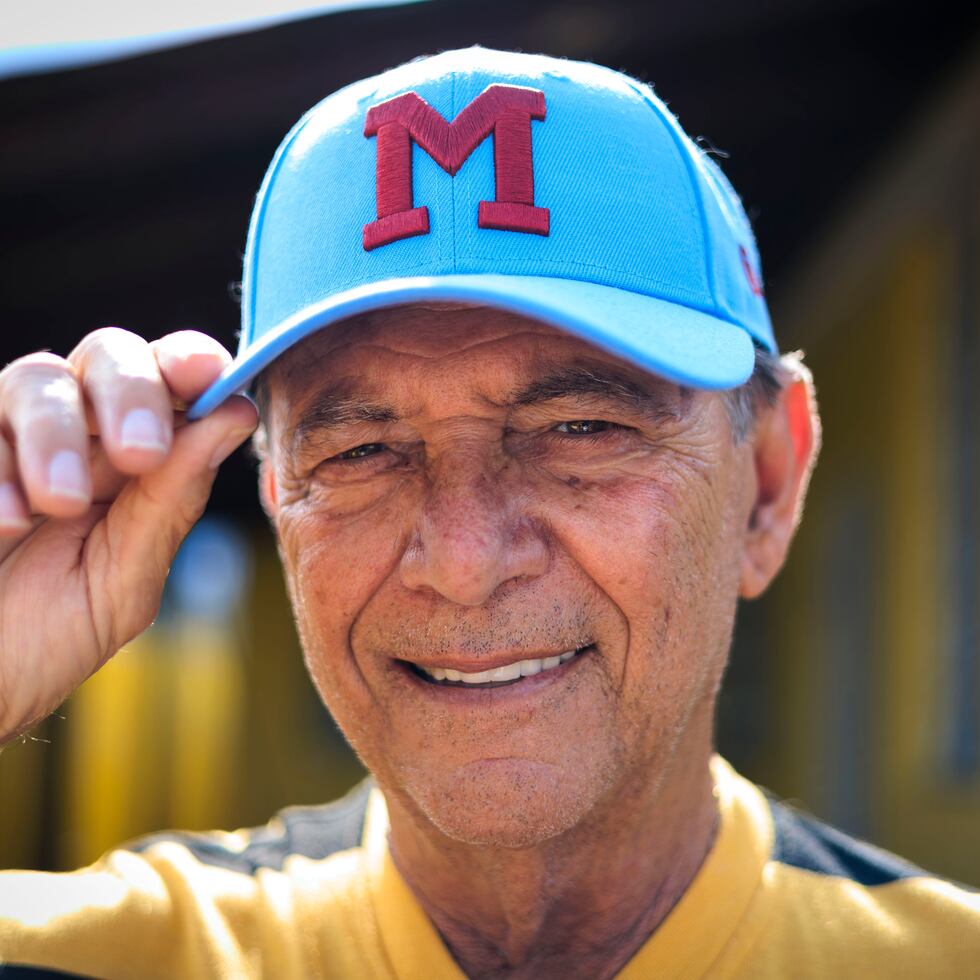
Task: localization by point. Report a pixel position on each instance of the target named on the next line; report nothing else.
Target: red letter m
(504, 110)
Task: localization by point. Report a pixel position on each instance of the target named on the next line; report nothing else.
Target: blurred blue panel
(211, 573)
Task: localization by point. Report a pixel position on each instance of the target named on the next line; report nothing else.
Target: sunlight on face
(460, 490)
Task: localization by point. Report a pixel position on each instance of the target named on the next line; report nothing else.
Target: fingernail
(11, 511)
(66, 475)
(141, 429)
(234, 440)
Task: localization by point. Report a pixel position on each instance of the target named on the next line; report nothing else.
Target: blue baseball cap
(556, 189)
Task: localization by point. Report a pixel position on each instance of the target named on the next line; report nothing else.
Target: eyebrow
(606, 383)
(335, 408)
(333, 411)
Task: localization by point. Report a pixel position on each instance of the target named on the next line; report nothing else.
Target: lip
(471, 697)
(468, 665)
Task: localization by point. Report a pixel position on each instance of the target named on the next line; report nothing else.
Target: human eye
(362, 460)
(586, 427)
(357, 453)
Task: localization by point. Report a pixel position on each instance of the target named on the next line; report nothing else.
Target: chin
(512, 803)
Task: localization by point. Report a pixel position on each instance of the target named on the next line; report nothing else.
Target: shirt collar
(685, 944)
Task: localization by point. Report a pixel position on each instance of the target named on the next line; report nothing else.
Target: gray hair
(769, 376)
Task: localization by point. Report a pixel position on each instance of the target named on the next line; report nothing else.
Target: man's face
(463, 489)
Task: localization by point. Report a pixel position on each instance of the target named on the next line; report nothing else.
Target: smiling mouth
(506, 675)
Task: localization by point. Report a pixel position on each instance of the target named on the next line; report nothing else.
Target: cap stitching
(360, 280)
(591, 265)
(354, 280)
(268, 338)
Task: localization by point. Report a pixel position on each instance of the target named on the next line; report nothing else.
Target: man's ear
(268, 491)
(784, 450)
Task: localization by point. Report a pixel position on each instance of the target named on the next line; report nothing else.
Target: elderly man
(525, 440)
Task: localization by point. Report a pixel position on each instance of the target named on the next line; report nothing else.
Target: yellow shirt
(315, 894)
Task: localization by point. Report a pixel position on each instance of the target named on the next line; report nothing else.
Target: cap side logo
(504, 110)
(750, 275)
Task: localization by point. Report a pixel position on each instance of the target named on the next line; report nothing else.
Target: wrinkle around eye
(606, 426)
(340, 468)
(348, 455)
(609, 436)
(550, 447)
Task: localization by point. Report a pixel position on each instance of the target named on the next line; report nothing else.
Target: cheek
(333, 567)
(640, 533)
(662, 548)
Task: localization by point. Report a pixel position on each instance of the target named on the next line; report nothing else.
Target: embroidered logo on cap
(504, 110)
(750, 275)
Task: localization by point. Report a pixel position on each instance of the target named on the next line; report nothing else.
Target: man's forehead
(368, 354)
(430, 329)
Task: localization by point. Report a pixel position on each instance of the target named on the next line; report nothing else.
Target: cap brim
(686, 345)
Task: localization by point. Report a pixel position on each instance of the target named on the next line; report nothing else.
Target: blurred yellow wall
(202, 722)
(872, 630)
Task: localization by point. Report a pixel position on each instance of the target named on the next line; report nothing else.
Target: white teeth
(509, 672)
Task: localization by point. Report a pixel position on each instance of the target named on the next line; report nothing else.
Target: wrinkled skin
(446, 525)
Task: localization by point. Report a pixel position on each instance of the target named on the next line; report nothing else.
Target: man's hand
(100, 480)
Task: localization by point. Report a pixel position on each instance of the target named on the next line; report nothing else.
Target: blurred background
(132, 143)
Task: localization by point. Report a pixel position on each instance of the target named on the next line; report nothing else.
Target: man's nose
(472, 535)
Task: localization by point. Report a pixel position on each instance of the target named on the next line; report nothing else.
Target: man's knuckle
(105, 338)
(38, 364)
(35, 379)
(48, 411)
(102, 352)
(187, 345)
(192, 336)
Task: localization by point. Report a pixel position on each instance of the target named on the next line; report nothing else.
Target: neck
(577, 905)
